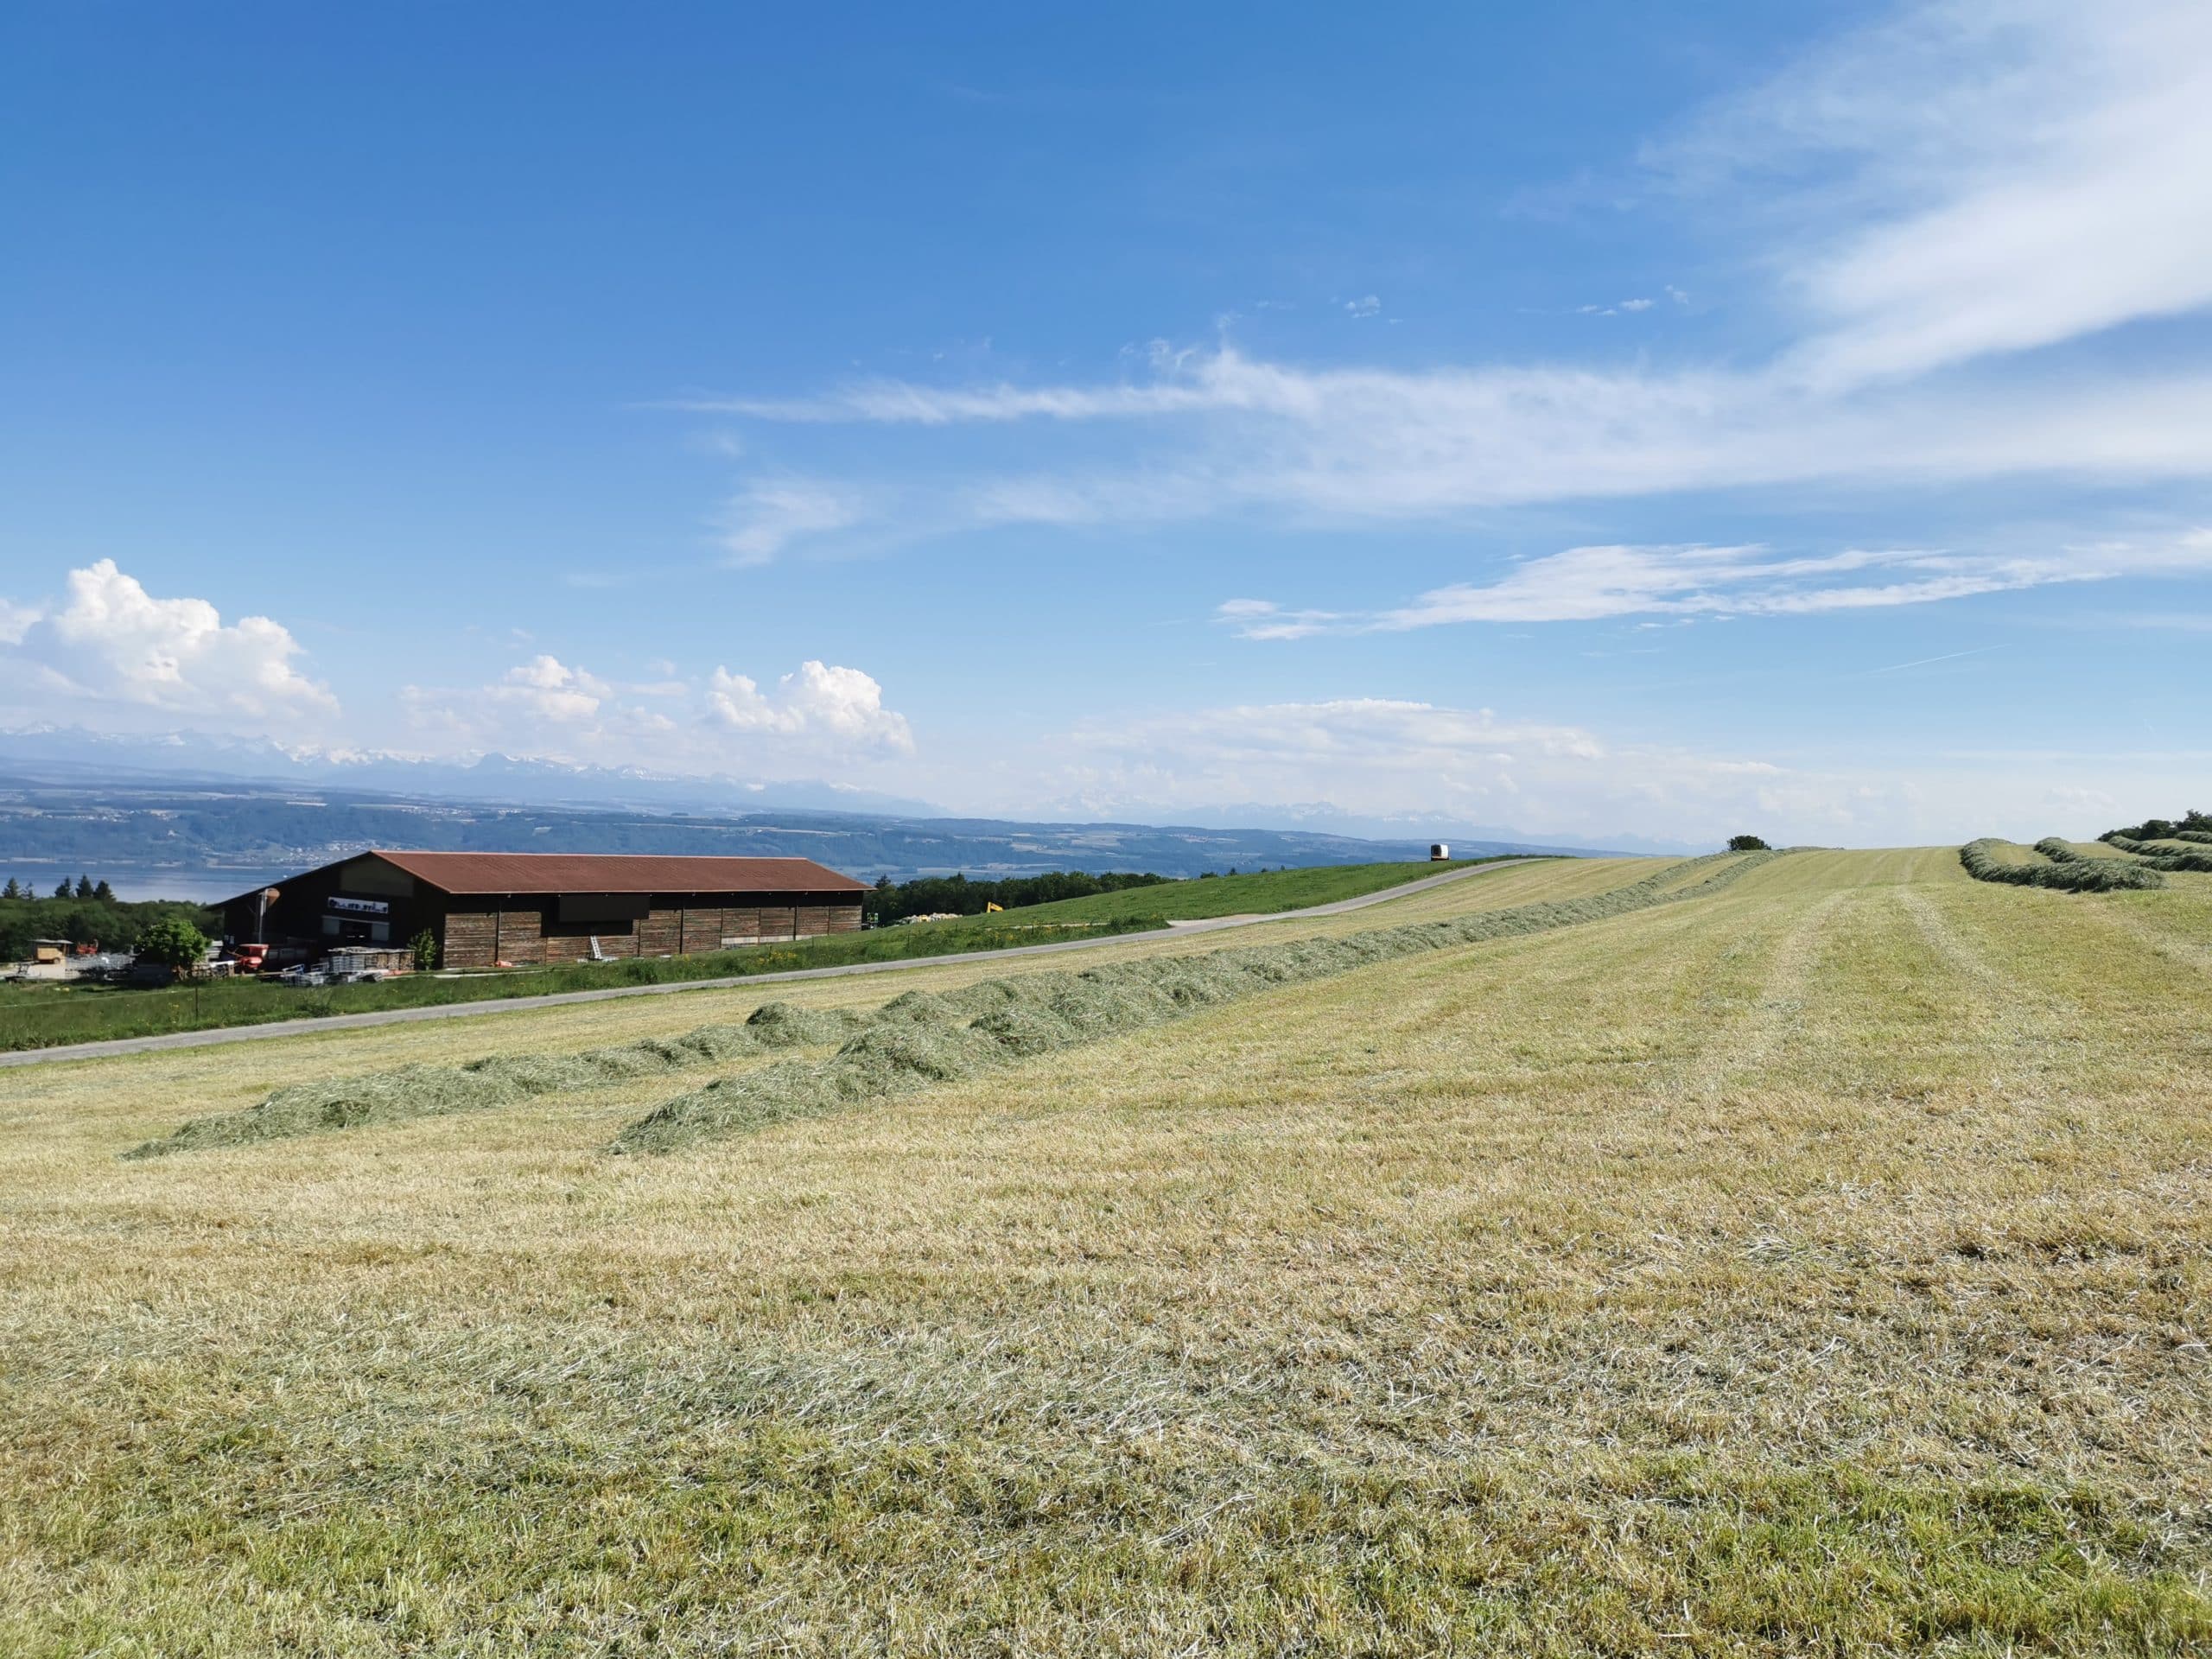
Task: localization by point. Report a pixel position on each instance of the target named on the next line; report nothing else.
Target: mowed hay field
(1818, 1266)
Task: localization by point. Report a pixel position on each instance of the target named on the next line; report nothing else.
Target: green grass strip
(49, 1017)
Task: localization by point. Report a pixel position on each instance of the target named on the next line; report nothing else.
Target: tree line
(892, 901)
(2192, 825)
(83, 911)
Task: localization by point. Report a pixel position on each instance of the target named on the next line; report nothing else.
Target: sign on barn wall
(361, 906)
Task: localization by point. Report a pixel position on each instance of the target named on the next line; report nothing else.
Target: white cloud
(766, 515)
(1588, 583)
(112, 642)
(1340, 446)
(1973, 177)
(1261, 619)
(818, 701)
(543, 708)
(1968, 182)
(548, 709)
(1378, 757)
(548, 690)
(1366, 305)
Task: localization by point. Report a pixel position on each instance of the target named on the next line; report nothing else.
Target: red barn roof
(615, 873)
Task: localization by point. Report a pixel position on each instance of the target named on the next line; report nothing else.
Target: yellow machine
(988, 906)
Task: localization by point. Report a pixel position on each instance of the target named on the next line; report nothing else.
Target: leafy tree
(1747, 844)
(174, 942)
(423, 947)
(62, 891)
(84, 886)
(2192, 823)
(104, 893)
(11, 891)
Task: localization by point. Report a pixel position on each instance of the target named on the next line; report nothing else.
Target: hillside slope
(1260, 892)
(1820, 1264)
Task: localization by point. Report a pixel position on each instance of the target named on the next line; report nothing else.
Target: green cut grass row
(2063, 868)
(921, 1039)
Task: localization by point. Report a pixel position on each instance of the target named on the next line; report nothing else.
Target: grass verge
(83, 1015)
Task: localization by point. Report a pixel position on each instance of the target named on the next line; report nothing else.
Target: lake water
(200, 886)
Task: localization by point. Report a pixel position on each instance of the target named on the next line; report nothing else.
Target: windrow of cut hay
(921, 1039)
(501, 1080)
(2165, 858)
(2066, 853)
(2065, 870)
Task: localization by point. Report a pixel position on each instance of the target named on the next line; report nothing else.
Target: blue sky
(1614, 417)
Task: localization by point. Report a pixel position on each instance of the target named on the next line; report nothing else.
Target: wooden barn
(487, 909)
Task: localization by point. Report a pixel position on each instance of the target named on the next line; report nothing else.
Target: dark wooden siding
(472, 938)
(518, 931)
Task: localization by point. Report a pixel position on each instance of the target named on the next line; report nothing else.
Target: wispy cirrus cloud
(1383, 756)
(1592, 583)
(766, 515)
(1972, 177)
(1924, 201)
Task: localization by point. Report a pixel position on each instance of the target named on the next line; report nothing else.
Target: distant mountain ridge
(212, 822)
(200, 757)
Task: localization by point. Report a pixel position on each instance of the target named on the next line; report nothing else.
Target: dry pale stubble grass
(1820, 1266)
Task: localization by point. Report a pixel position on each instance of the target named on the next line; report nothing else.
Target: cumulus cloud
(110, 642)
(546, 707)
(1366, 305)
(1589, 583)
(549, 689)
(543, 707)
(816, 701)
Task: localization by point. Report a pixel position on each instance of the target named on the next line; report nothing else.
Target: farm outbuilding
(486, 909)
